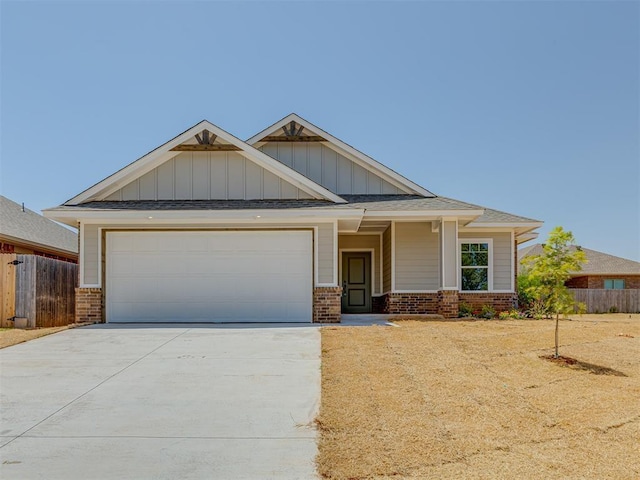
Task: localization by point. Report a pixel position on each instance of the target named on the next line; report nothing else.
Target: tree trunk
(557, 318)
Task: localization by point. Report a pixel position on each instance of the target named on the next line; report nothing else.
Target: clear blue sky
(528, 107)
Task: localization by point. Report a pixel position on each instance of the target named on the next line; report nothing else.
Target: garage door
(230, 276)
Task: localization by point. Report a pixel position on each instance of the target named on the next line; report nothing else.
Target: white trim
(100, 246)
(393, 255)
(426, 215)
(316, 274)
(372, 265)
(335, 252)
(369, 163)
(71, 216)
(514, 261)
(381, 285)
(482, 225)
(488, 241)
(81, 256)
(163, 153)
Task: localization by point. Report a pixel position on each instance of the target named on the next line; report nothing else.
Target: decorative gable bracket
(293, 133)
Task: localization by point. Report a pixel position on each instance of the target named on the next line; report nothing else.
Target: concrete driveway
(161, 402)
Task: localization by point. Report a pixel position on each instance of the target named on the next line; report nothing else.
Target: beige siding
(325, 253)
(326, 264)
(328, 168)
(90, 253)
(386, 261)
(416, 255)
(208, 176)
(502, 257)
(366, 242)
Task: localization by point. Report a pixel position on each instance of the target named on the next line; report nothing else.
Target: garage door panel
(209, 276)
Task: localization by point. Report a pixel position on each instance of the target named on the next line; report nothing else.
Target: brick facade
(448, 303)
(327, 303)
(89, 305)
(597, 281)
(499, 301)
(400, 303)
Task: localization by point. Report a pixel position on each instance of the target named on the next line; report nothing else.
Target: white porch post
(449, 275)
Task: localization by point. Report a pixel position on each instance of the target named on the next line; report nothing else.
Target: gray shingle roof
(599, 263)
(34, 228)
(390, 203)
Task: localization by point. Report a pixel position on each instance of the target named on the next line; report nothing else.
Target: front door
(356, 282)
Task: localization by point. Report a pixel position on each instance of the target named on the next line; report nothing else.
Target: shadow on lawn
(579, 365)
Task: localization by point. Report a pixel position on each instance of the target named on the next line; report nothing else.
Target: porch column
(449, 254)
(448, 292)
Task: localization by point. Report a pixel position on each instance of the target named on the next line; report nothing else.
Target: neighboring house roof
(598, 263)
(344, 149)
(27, 227)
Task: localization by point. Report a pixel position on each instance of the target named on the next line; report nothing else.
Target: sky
(528, 107)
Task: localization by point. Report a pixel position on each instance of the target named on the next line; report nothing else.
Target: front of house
(292, 225)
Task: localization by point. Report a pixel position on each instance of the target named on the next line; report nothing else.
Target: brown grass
(474, 399)
(13, 336)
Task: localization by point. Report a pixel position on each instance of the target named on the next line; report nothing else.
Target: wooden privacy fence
(602, 301)
(38, 288)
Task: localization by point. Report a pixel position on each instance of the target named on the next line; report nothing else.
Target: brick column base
(448, 303)
(89, 305)
(327, 302)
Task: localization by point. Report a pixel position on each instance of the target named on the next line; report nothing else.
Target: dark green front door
(356, 282)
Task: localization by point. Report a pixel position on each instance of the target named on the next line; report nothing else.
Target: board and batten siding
(386, 261)
(416, 256)
(208, 176)
(328, 168)
(502, 257)
(91, 251)
(368, 242)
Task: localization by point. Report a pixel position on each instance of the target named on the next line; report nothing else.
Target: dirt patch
(13, 336)
(473, 399)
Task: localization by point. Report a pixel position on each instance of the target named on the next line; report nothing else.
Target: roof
(344, 148)
(164, 152)
(32, 228)
(598, 263)
(371, 203)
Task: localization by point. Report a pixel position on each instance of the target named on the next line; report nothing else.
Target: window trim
(489, 242)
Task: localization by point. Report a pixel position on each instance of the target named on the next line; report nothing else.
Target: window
(614, 284)
(474, 262)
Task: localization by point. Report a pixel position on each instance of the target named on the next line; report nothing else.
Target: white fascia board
(353, 154)
(422, 214)
(87, 216)
(163, 153)
(527, 225)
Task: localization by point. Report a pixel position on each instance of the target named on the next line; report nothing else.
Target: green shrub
(464, 310)
(504, 315)
(613, 309)
(487, 312)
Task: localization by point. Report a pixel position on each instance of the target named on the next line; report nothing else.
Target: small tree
(548, 272)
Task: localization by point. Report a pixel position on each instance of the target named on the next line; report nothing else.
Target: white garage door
(230, 276)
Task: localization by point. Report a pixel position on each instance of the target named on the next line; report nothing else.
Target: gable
(208, 175)
(328, 168)
(205, 162)
(306, 148)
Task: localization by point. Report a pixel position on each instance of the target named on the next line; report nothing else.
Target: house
(602, 271)
(23, 231)
(292, 225)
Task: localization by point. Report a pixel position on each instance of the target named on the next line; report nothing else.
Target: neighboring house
(292, 225)
(23, 231)
(602, 271)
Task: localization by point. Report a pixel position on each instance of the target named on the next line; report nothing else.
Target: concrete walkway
(161, 402)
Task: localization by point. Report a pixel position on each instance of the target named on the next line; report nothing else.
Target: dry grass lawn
(475, 400)
(13, 336)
